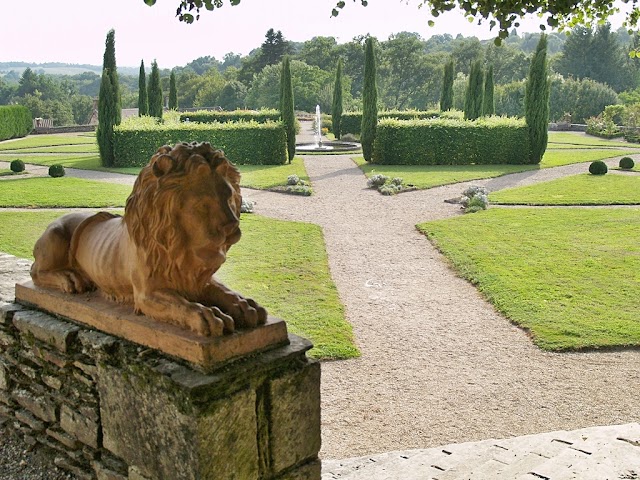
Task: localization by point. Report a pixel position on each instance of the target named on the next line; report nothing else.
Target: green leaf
(431, 23)
(151, 3)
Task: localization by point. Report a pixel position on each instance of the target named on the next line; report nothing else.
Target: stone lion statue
(179, 222)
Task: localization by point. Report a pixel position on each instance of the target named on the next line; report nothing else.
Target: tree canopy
(503, 15)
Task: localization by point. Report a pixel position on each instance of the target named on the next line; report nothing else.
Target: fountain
(319, 145)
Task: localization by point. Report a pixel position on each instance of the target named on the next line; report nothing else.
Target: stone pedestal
(113, 409)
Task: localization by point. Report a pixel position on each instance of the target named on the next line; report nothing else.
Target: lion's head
(184, 211)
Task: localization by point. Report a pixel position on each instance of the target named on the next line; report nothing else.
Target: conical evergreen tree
(287, 111)
(143, 99)
(109, 110)
(488, 102)
(536, 102)
(109, 62)
(106, 113)
(446, 100)
(369, 102)
(473, 99)
(336, 106)
(173, 92)
(155, 92)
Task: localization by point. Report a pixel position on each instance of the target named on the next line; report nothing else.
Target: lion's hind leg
(52, 265)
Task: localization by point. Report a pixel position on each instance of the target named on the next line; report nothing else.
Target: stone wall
(114, 410)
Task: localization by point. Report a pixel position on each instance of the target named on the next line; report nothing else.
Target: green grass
(557, 158)
(557, 139)
(264, 177)
(283, 266)
(294, 286)
(569, 276)
(585, 189)
(83, 148)
(429, 176)
(34, 141)
(63, 192)
(563, 149)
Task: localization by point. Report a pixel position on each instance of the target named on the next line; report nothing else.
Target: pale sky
(74, 31)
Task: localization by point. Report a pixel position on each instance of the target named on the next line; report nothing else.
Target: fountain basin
(329, 146)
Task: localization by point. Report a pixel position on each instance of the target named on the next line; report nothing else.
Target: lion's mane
(152, 208)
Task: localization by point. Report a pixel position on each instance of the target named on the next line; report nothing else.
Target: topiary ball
(56, 171)
(626, 163)
(17, 166)
(598, 168)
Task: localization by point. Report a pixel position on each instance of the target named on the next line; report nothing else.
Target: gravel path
(438, 364)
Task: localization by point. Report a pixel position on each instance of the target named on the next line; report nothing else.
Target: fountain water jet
(319, 145)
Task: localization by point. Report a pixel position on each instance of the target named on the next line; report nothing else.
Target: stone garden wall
(114, 410)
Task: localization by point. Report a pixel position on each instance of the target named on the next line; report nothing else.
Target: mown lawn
(585, 189)
(282, 265)
(68, 152)
(563, 149)
(569, 276)
(62, 192)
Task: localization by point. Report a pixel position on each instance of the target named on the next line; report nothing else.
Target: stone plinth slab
(207, 352)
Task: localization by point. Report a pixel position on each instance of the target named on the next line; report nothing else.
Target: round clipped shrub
(293, 180)
(626, 163)
(17, 166)
(598, 168)
(56, 171)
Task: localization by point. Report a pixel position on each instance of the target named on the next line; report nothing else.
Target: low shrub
(492, 140)
(206, 116)
(598, 168)
(17, 166)
(56, 171)
(602, 127)
(299, 190)
(474, 199)
(246, 206)
(293, 179)
(626, 163)
(244, 143)
(376, 181)
(351, 120)
(15, 121)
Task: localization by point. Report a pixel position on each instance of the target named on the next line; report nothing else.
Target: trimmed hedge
(491, 140)
(205, 116)
(15, 121)
(351, 121)
(244, 143)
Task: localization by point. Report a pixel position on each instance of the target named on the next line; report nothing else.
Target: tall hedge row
(244, 143)
(492, 140)
(15, 121)
(205, 116)
(351, 120)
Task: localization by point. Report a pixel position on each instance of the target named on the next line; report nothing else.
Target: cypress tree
(369, 102)
(488, 102)
(446, 100)
(287, 112)
(143, 99)
(109, 63)
(155, 92)
(173, 92)
(336, 106)
(106, 114)
(536, 102)
(109, 110)
(473, 99)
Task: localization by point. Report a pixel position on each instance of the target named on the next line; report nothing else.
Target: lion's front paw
(70, 281)
(209, 321)
(248, 313)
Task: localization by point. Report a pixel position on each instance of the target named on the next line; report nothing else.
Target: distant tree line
(409, 75)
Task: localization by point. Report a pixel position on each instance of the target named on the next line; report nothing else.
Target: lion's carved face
(186, 207)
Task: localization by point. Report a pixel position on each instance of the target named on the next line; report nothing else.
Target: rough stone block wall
(113, 410)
